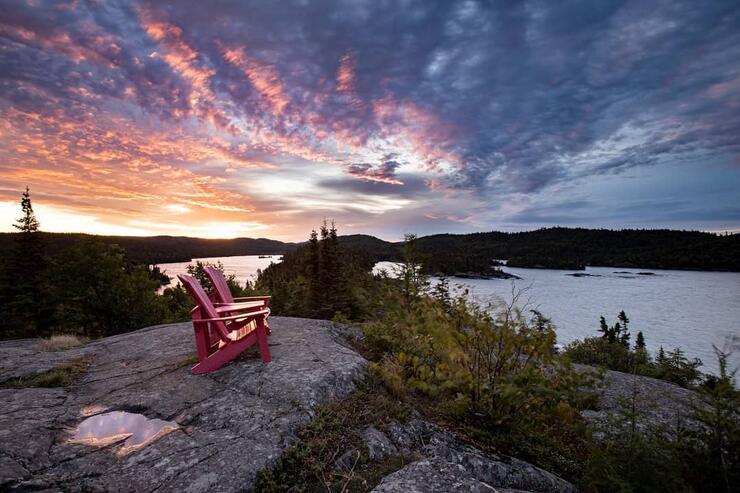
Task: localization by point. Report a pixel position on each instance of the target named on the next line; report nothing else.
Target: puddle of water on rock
(137, 430)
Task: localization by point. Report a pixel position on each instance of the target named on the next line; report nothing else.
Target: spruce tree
(624, 337)
(28, 222)
(640, 343)
(21, 294)
(314, 272)
(660, 359)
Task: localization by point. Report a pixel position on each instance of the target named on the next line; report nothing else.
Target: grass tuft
(61, 342)
(63, 375)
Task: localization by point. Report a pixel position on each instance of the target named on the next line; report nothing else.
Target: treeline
(568, 248)
(554, 248)
(161, 249)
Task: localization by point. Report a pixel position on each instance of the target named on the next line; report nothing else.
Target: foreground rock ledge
(238, 420)
(233, 422)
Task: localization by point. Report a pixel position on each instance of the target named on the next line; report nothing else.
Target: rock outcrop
(657, 402)
(231, 423)
(448, 465)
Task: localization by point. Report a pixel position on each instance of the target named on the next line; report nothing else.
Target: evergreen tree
(624, 337)
(660, 359)
(28, 222)
(25, 314)
(441, 292)
(313, 274)
(640, 343)
(413, 281)
(716, 444)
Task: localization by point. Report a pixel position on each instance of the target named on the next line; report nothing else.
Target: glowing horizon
(135, 118)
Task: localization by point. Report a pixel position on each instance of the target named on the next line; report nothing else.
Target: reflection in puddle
(137, 430)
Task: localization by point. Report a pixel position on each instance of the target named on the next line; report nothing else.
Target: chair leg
(224, 354)
(202, 341)
(262, 341)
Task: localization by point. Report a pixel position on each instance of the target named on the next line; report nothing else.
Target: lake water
(244, 268)
(686, 309)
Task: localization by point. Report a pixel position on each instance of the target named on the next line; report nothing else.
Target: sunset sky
(226, 119)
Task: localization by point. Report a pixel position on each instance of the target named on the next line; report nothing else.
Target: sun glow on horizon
(55, 220)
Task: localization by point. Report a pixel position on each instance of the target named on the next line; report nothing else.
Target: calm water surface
(686, 309)
(136, 429)
(244, 268)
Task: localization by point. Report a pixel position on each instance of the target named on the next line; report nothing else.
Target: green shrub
(612, 351)
(675, 367)
(490, 370)
(598, 351)
(713, 448)
(92, 290)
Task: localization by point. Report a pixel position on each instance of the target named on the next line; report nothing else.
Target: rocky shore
(229, 424)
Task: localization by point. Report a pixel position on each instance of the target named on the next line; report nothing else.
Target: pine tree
(625, 334)
(640, 343)
(24, 311)
(314, 272)
(718, 440)
(28, 222)
(660, 359)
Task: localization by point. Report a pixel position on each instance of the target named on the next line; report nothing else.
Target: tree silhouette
(21, 278)
(28, 222)
(640, 343)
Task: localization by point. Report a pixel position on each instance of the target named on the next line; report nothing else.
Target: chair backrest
(220, 285)
(196, 291)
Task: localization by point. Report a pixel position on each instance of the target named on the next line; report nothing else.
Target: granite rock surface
(231, 423)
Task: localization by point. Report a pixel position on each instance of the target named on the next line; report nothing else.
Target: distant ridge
(559, 248)
(565, 248)
(166, 249)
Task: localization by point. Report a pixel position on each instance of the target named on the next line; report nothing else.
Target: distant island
(469, 254)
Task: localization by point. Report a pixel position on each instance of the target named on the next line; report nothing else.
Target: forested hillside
(559, 248)
(567, 248)
(575, 248)
(163, 249)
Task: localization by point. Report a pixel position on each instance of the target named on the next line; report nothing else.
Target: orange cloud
(263, 77)
(184, 60)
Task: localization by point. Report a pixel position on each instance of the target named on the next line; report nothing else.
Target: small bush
(598, 351)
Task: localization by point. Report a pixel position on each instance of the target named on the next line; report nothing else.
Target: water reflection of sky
(137, 430)
(687, 309)
(244, 267)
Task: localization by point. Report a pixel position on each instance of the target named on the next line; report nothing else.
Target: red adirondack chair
(223, 332)
(222, 294)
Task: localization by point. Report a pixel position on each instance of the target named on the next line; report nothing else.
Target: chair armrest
(241, 316)
(246, 298)
(232, 307)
